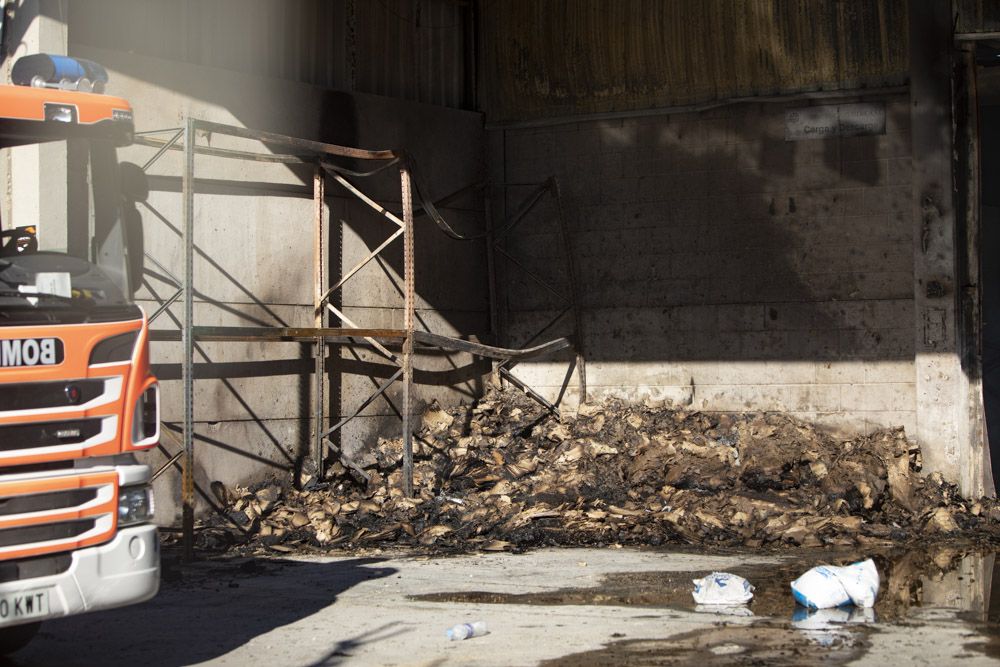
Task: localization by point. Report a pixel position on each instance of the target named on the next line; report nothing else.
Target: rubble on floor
(505, 474)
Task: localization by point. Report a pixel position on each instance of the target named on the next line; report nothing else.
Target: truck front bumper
(123, 571)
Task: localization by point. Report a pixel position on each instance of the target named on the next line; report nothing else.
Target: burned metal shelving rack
(319, 155)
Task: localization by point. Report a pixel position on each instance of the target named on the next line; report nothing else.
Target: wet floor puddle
(775, 631)
(755, 644)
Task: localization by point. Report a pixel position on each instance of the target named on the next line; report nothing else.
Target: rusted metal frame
(489, 351)
(142, 134)
(510, 362)
(339, 335)
(531, 274)
(344, 171)
(406, 371)
(187, 372)
(170, 300)
(519, 215)
(166, 304)
(164, 145)
(392, 217)
(163, 149)
(319, 285)
(531, 393)
(294, 142)
(170, 461)
(167, 272)
(362, 264)
(448, 198)
(494, 239)
(574, 295)
(368, 401)
(314, 148)
(190, 149)
(223, 186)
(227, 152)
(408, 324)
(350, 187)
(369, 339)
(551, 186)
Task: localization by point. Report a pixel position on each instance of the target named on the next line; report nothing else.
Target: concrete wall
(723, 267)
(255, 261)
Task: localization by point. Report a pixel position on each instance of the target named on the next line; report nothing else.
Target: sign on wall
(835, 120)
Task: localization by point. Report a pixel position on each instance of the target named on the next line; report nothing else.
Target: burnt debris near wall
(504, 474)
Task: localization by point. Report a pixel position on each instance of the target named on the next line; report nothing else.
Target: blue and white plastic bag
(828, 586)
(722, 588)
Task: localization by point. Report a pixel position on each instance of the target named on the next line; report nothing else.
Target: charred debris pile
(504, 474)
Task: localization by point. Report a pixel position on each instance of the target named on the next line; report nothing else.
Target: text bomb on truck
(77, 398)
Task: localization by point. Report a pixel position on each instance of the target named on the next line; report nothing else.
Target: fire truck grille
(41, 395)
(49, 515)
(47, 434)
(40, 502)
(45, 532)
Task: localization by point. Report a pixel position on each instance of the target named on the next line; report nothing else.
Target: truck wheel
(17, 637)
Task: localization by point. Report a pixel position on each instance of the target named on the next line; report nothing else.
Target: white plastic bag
(861, 582)
(827, 586)
(722, 588)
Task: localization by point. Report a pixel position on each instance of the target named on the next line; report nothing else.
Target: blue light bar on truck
(42, 70)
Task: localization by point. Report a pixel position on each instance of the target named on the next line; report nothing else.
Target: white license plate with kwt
(24, 605)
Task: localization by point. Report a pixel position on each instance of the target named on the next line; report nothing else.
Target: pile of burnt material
(505, 474)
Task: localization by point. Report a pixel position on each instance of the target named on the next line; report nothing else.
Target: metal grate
(40, 502)
(41, 395)
(47, 532)
(47, 434)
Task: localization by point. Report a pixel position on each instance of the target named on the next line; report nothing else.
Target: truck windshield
(53, 288)
(89, 283)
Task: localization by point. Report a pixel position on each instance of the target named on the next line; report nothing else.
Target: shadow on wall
(707, 236)
(236, 603)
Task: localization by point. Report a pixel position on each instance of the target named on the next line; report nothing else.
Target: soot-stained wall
(721, 266)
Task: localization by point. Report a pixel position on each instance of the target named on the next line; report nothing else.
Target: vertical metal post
(408, 318)
(187, 372)
(319, 285)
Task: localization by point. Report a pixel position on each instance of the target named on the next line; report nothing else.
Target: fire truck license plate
(24, 604)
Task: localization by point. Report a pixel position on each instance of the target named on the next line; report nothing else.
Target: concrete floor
(357, 611)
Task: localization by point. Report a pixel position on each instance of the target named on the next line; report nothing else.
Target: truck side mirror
(134, 188)
(135, 185)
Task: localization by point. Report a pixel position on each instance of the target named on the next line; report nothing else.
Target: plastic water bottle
(466, 630)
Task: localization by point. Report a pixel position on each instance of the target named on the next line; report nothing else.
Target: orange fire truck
(77, 398)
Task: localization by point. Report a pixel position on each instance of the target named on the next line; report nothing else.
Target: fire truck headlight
(146, 418)
(135, 505)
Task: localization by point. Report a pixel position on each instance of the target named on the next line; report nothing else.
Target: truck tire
(17, 637)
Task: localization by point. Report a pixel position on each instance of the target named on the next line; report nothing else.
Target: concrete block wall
(722, 267)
